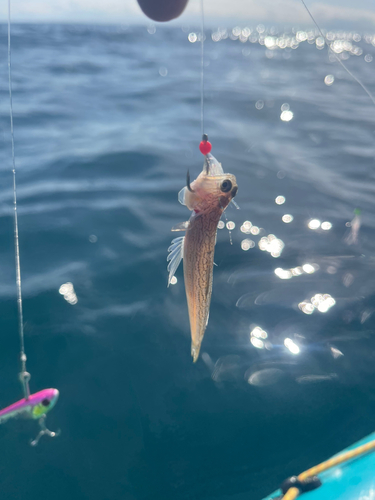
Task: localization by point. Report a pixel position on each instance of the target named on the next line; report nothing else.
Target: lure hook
(188, 182)
(43, 431)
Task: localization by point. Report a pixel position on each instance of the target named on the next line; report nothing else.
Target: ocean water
(107, 122)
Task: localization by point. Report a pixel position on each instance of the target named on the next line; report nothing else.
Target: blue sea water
(107, 122)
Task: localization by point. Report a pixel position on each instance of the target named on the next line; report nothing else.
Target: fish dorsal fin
(176, 251)
(181, 196)
(181, 226)
(211, 166)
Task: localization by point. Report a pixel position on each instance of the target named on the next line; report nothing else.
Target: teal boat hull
(353, 480)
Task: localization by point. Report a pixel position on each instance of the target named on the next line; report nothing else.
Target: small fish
(208, 196)
(34, 407)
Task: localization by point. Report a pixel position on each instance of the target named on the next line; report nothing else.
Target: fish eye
(226, 186)
(46, 402)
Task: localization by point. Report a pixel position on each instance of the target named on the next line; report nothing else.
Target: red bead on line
(205, 146)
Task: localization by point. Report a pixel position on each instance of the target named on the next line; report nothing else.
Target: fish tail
(195, 348)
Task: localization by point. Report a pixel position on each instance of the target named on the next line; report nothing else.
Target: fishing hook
(188, 182)
(43, 430)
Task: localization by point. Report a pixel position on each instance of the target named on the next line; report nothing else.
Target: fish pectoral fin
(235, 204)
(215, 264)
(176, 252)
(181, 226)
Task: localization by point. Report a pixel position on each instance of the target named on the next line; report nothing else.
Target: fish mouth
(234, 191)
(211, 166)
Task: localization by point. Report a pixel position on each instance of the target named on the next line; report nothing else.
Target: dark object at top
(162, 10)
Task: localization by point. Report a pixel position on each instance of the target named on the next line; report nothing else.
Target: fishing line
(33, 406)
(24, 375)
(205, 145)
(202, 68)
(337, 57)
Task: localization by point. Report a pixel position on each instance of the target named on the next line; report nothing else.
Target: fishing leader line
(337, 57)
(202, 68)
(204, 146)
(33, 406)
(24, 375)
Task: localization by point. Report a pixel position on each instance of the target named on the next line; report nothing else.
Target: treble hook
(188, 182)
(44, 430)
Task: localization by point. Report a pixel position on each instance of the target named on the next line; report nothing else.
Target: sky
(327, 12)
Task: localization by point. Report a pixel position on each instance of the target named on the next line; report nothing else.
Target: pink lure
(34, 407)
